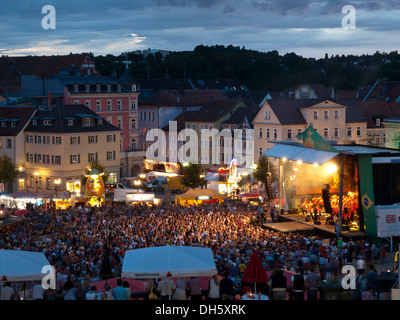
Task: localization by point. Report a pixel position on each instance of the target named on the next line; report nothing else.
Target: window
(133, 105)
(30, 138)
(378, 122)
(336, 133)
(70, 122)
(133, 144)
(100, 121)
(98, 105)
(47, 122)
(30, 157)
(34, 122)
(87, 122)
(358, 131)
(47, 159)
(111, 138)
(57, 160)
(110, 155)
(267, 134)
(275, 134)
(315, 115)
(76, 101)
(21, 184)
(75, 140)
(48, 183)
(349, 132)
(326, 114)
(87, 103)
(109, 108)
(304, 95)
(98, 88)
(260, 151)
(299, 131)
(336, 114)
(13, 124)
(119, 123)
(57, 140)
(92, 139)
(76, 88)
(39, 158)
(326, 133)
(47, 140)
(3, 124)
(40, 182)
(187, 125)
(260, 133)
(133, 123)
(75, 159)
(87, 87)
(290, 134)
(119, 105)
(92, 156)
(268, 115)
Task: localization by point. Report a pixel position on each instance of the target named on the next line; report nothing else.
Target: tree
(263, 169)
(192, 176)
(95, 165)
(8, 171)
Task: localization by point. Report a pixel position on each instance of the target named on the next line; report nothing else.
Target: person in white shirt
(37, 292)
(7, 292)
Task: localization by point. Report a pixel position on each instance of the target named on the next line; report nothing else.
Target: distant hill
(257, 70)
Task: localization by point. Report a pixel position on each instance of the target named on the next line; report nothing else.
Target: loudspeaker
(327, 200)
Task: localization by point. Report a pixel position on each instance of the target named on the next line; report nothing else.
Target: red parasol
(21, 212)
(255, 272)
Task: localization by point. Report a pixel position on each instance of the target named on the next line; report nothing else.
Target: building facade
(61, 141)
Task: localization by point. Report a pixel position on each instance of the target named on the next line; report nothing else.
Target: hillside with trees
(257, 70)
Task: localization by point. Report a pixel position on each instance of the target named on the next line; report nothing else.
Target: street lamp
(36, 180)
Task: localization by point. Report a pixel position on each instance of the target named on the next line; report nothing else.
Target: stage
(297, 223)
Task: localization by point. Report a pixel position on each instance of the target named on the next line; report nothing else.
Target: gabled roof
(14, 114)
(211, 112)
(379, 109)
(238, 116)
(61, 114)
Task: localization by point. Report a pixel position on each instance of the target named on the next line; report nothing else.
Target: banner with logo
(367, 193)
(313, 140)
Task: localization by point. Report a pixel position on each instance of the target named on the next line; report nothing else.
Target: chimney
(49, 99)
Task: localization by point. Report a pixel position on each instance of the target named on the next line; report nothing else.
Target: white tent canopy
(17, 265)
(157, 262)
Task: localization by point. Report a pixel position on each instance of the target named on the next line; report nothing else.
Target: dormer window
(13, 124)
(99, 121)
(378, 122)
(47, 122)
(76, 87)
(87, 122)
(108, 88)
(3, 124)
(70, 122)
(34, 122)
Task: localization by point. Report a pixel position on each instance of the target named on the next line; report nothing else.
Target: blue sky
(307, 27)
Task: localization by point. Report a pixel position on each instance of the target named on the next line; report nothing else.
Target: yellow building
(61, 141)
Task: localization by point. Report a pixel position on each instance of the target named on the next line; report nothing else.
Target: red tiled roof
(379, 109)
(11, 68)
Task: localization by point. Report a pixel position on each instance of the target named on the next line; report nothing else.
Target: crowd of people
(73, 241)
